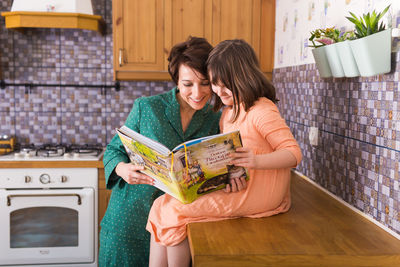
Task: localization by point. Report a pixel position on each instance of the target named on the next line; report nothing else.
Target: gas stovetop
(55, 152)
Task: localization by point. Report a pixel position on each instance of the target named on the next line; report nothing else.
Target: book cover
(191, 169)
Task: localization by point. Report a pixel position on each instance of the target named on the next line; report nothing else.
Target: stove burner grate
(95, 149)
(58, 150)
(51, 150)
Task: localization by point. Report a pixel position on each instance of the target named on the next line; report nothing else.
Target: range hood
(76, 14)
(67, 6)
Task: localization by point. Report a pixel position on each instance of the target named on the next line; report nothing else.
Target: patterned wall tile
(114, 120)
(37, 75)
(161, 87)
(7, 123)
(82, 76)
(42, 46)
(336, 107)
(357, 158)
(83, 100)
(83, 128)
(82, 49)
(123, 100)
(6, 52)
(388, 188)
(7, 99)
(108, 15)
(38, 99)
(109, 56)
(38, 127)
(99, 8)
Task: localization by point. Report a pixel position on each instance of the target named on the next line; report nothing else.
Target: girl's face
(224, 93)
(194, 88)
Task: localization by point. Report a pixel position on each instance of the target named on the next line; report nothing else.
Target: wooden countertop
(52, 164)
(318, 230)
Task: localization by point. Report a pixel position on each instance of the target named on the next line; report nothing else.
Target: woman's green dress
(124, 240)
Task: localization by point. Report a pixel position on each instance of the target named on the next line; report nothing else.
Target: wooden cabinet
(145, 31)
(103, 196)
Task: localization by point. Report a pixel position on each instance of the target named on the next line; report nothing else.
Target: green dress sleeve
(115, 151)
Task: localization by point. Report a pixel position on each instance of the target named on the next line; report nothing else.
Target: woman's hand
(132, 175)
(244, 157)
(236, 185)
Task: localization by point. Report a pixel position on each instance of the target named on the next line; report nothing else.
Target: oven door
(44, 226)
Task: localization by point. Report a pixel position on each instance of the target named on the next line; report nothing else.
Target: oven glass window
(44, 227)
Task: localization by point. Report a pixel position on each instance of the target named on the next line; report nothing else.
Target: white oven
(48, 216)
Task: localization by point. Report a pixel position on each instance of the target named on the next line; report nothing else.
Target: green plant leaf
(374, 21)
(355, 21)
(368, 23)
(353, 15)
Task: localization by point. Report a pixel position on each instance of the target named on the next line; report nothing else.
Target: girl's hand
(236, 185)
(132, 175)
(244, 157)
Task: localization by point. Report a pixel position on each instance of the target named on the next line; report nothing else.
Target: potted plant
(329, 38)
(372, 49)
(346, 56)
(321, 61)
(332, 37)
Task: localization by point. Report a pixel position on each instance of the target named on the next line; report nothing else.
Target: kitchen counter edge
(52, 164)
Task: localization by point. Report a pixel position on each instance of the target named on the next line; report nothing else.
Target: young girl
(269, 152)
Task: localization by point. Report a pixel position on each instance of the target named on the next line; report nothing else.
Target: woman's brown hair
(234, 64)
(193, 53)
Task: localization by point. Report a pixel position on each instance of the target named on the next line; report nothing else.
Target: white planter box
(334, 61)
(68, 6)
(347, 59)
(372, 53)
(322, 62)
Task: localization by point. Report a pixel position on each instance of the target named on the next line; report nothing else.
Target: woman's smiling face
(194, 88)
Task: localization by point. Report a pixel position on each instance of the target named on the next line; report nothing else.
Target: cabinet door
(236, 19)
(103, 196)
(138, 28)
(251, 20)
(267, 33)
(186, 18)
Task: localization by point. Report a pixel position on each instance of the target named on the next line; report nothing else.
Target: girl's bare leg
(179, 255)
(158, 254)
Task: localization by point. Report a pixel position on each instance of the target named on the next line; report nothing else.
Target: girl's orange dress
(268, 191)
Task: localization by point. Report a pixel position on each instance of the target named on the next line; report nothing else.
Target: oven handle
(44, 195)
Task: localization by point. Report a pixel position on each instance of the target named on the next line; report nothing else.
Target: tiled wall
(63, 56)
(358, 154)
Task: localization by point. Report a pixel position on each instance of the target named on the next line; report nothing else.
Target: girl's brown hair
(193, 53)
(234, 64)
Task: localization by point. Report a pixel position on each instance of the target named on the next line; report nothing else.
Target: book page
(204, 166)
(201, 139)
(160, 148)
(156, 165)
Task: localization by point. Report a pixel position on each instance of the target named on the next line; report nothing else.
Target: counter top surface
(318, 230)
(66, 160)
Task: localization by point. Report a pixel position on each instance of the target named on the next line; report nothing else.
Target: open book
(191, 169)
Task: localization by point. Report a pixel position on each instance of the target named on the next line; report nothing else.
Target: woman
(171, 118)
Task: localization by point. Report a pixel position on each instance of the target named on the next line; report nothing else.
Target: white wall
(296, 18)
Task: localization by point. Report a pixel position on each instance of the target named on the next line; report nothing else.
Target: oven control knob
(28, 179)
(44, 178)
(64, 179)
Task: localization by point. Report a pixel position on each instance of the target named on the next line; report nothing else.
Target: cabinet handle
(120, 59)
